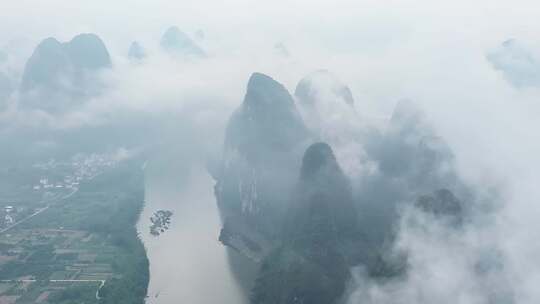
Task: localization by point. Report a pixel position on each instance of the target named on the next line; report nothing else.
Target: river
(187, 262)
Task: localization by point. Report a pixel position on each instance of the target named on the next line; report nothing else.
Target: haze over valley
(283, 152)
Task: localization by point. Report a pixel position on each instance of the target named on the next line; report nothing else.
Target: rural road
(37, 212)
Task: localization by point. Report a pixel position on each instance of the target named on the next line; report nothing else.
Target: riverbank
(187, 261)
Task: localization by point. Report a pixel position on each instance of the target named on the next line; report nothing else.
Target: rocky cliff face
(58, 75)
(322, 209)
(261, 151)
(411, 150)
(312, 264)
(443, 204)
(411, 160)
(297, 216)
(267, 122)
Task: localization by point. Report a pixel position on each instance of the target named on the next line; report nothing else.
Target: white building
(8, 219)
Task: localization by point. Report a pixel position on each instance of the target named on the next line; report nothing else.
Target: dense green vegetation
(118, 225)
(105, 209)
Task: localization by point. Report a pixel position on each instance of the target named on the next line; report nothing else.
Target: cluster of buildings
(69, 182)
(81, 167)
(9, 215)
(8, 219)
(59, 176)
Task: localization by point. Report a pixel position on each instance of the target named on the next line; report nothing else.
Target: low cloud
(519, 66)
(486, 112)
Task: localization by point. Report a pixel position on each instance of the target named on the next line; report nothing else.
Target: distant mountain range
(59, 75)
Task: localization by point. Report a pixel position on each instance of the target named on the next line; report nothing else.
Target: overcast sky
(433, 52)
(356, 39)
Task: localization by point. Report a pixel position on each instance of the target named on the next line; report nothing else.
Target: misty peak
(49, 43)
(88, 51)
(48, 60)
(258, 79)
(176, 41)
(281, 49)
(50, 50)
(323, 198)
(509, 42)
(267, 119)
(317, 157)
(263, 142)
(269, 108)
(58, 73)
(136, 51)
(406, 114)
(322, 84)
(172, 36)
(52, 58)
(519, 66)
(263, 90)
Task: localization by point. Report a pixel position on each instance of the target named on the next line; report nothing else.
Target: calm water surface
(187, 263)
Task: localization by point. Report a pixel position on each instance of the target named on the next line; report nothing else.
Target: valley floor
(81, 246)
